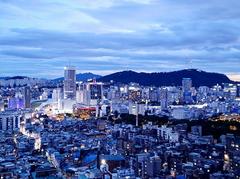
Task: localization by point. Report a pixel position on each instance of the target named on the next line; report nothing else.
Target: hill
(199, 78)
(81, 77)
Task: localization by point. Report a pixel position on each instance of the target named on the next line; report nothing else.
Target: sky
(38, 38)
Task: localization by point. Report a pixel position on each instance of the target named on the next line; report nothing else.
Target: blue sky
(38, 38)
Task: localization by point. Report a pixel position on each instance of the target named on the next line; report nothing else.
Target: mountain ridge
(174, 78)
(81, 77)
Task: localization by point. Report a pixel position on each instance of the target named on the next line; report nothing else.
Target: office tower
(57, 94)
(80, 96)
(27, 97)
(186, 90)
(69, 82)
(186, 84)
(164, 98)
(154, 94)
(93, 93)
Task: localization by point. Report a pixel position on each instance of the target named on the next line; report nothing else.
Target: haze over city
(108, 36)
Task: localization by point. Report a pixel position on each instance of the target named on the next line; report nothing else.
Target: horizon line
(232, 76)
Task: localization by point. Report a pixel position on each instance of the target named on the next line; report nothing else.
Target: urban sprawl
(73, 129)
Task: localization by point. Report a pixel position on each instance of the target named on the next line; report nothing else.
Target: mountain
(81, 77)
(199, 78)
(13, 78)
(16, 78)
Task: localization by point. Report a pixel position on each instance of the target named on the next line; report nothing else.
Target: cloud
(106, 36)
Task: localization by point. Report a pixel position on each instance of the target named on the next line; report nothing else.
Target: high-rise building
(69, 82)
(56, 94)
(154, 94)
(9, 121)
(186, 84)
(80, 96)
(93, 93)
(57, 97)
(164, 98)
(27, 97)
(186, 90)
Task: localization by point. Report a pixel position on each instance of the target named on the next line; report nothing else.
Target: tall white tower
(69, 82)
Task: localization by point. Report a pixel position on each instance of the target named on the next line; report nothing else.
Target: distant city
(112, 127)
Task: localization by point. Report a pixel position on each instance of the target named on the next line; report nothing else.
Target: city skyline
(100, 37)
(120, 89)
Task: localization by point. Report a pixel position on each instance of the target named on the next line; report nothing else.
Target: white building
(69, 82)
(57, 95)
(80, 96)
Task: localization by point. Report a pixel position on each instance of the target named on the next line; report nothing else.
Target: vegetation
(199, 78)
(213, 127)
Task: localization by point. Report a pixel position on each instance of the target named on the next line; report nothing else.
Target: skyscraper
(164, 98)
(186, 90)
(69, 82)
(27, 97)
(186, 84)
(93, 93)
